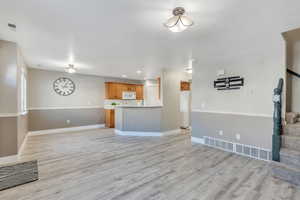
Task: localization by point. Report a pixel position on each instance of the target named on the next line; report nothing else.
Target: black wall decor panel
(229, 83)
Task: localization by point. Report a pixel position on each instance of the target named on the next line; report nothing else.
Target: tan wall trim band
(13, 114)
(62, 108)
(231, 113)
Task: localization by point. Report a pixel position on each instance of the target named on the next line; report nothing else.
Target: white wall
(8, 77)
(90, 90)
(13, 126)
(247, 41)
(151, 93)
(251, 46)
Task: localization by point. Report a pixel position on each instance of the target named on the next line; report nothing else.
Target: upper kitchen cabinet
(108, 90)
(129, 88)
(112, 91)
(139, 92)
(185, 86)
(115, 90)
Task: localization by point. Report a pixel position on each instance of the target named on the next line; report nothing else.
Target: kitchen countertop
(111, 107)
(135, 106)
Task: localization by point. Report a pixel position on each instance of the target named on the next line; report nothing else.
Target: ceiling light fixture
(124, 76)
(71, 69)
(138, 71)
(179, 22)
(188, 70)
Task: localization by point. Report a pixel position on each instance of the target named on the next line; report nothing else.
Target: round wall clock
(64, 86)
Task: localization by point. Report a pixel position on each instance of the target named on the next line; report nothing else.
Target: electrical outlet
(221, 132)
(238, 136)
(68, 121)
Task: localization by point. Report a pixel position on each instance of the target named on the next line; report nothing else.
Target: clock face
(64, 86)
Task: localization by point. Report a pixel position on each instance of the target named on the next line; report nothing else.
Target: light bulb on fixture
(71, 69)
(178, 22)
(189, 70)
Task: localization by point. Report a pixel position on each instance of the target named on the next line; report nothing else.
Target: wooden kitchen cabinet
(120, 89)
(110, 118)
(185, 86)
(114, 90)
(129, 88)
(139, 92)
(111, 91)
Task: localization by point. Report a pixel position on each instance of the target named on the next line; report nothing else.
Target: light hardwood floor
(97, 164)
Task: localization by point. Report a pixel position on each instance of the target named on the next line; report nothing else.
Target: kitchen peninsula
(118, 93)
(138, 120)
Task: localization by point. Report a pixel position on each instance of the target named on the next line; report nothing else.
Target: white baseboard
(64, 130)
(144, 133)
(8, 159)
(197, 140)
(171, 132)
(138, 133)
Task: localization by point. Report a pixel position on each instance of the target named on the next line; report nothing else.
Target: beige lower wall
(8, 136)
(22, 129)
(253, 130)
(57, 118)
(139, 119)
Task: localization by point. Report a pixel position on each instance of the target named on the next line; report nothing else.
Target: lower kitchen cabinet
(110, 118)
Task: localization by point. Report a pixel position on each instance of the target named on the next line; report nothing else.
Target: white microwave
(129, 95)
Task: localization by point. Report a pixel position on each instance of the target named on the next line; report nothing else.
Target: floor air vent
(241, 149)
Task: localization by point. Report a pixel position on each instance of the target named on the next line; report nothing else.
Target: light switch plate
(221, 132)
(238, 136)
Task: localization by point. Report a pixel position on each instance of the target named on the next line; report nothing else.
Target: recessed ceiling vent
(12, 26)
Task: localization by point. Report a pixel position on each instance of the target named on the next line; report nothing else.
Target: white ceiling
(103, 37)
(116, 37)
